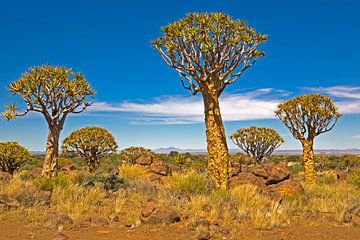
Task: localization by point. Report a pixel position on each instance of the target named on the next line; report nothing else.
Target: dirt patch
(296, 231)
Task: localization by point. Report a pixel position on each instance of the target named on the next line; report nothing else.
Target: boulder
(277, 173)
(247, 178)
(288, 187)
(59, 220)
(8, 202)
(5, 176)
(145, 160)
(161, 168)
(34, 196)
(199, 223)
(98, 222)
(204, 235)
(272, 173)
(157, 215)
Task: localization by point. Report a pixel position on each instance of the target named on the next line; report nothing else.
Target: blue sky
(312, 47)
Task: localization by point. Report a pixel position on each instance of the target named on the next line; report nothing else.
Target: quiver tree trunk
(218, 157)
(52, 152)
(309, 164)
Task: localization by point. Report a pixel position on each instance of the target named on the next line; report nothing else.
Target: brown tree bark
(52, 152)
(218, 157)
(309, 164)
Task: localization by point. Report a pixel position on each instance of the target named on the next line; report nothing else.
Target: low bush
(190, 182)
(48, 184)
(354, 179)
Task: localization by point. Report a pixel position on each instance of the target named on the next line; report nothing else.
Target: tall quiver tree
(210, 51)
(308, 116)
(55, 92)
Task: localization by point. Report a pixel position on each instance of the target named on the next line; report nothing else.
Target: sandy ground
(299, 231)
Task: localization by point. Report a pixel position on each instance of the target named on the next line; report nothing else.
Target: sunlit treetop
(309, 115)
(258, 142)
(53, 91)
(209, 46)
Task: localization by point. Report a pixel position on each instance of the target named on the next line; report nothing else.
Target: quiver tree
(210, 52)
(257, 142)
(181, 160)
(131, 154)
(55, 92)
(12, 156)
(91, 144)
(308, 116)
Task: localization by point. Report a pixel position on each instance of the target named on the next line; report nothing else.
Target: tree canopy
(54, 91)
(12, 156)
(309, 115)
(209, 47)
(258, 142)
(90, 143)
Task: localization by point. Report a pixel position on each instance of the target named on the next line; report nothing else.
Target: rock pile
(271, 179)
(158, 215)
(158, 169)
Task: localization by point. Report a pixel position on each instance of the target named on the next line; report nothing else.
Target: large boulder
(157, 215)
(271, 173)
(58, 220)
(160, 167)
(145, 160)
(34, 196)
(288, 187)
(247, 178)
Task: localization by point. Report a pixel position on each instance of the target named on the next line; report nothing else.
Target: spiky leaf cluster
(209, 48)
(307, 116)
(258, 142)
(131, 154)
(181, 159)
(90, 143)
(12, 156)
(53, 91)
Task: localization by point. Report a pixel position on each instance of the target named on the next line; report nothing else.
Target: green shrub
(48, 184)
(191, 182)
(354, 179)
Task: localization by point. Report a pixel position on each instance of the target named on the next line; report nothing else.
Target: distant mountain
(37, 152)
(279, 152)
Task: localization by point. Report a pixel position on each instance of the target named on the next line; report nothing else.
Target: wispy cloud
(258, 104)
(239, 106)
(356, 137)
(347, 98)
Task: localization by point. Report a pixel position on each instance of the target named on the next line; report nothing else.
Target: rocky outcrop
(272, 179)
(144, 160)
(161, 168)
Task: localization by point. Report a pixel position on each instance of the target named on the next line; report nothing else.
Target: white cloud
(356, 137)
(347, 98)
(257, 104)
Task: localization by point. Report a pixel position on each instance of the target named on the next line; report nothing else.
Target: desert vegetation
(89, 184)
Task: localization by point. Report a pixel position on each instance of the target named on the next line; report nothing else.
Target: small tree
(257, 142)
(12, 156)
(308, 116)
(210, 51)
(91, 144)
(55, 92)
(131, 154)
(181, 160)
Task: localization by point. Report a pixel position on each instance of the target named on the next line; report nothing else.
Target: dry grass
(133, 172)
(189, 193)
